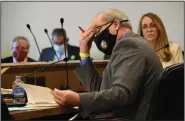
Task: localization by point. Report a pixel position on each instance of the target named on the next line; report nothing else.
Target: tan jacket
(177, 56)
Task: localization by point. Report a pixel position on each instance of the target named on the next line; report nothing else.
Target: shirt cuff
(83, 62)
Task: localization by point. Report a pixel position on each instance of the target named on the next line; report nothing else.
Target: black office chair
(5, 115)
(183, 53)
(168, 101)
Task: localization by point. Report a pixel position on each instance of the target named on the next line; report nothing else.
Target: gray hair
(20, 38)
(111, 14)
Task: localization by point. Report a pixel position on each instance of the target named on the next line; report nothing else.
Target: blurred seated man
(58, 52)
(20, 48)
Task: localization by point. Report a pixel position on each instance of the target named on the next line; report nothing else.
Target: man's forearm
(88, 75)
(103, 100)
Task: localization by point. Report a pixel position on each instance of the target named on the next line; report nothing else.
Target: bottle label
(18, 95)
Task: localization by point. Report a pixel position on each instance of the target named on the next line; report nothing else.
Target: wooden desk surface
(53, 76)
(41, 64)
(40, 112)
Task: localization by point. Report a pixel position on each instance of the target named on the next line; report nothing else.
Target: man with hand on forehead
(128, 82)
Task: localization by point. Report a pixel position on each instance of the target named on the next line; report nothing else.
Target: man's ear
(52, 40)
(117, 24)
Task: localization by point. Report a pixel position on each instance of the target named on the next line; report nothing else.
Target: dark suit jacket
(128, 81)
(10, 60)
(48, 54)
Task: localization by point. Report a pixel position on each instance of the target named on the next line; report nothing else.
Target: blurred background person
(153, 30)
(20, 48)
(58, 37)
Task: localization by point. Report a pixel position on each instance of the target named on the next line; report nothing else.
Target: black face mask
(105, 41)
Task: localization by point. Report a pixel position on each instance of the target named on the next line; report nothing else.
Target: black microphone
(62, 21)
(67, 79)
(65, 59)
(46, 31)
(28, 26)
(165, 46)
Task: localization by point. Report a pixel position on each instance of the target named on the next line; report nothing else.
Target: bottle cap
(17, 77)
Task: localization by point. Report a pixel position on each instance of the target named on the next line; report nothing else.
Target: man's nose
(57, 42)
(19, 48)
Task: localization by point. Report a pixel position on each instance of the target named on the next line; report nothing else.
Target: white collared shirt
(177, 56)
(15, 61)
(60, 57)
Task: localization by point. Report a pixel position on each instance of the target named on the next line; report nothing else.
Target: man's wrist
(83, 61)
(84, 51)
(84, 55)
(77, 102)
(83, 58)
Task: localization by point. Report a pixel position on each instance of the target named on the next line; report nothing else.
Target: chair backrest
(183, 53)
(168, 101)
(5, 115)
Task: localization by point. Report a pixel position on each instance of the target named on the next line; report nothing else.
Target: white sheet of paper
(38, 94)
(43, 105)
(20, 108)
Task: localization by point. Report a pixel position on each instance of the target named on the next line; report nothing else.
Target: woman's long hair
(165, 53)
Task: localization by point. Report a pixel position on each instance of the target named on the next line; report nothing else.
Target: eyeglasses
(97, 29)
(20, 48)
(152, 26)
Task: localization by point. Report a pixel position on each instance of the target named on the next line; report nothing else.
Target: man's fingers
(52, 92)
(57, 91)
(89, 37)
(55, 95)
(58, 101)
(87, 33)
(87, 29)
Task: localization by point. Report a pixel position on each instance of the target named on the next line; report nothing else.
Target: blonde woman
(153, 30)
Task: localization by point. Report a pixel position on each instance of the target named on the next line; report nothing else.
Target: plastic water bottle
(18, 92)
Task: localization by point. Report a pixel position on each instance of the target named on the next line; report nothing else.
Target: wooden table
(39, 112)
(53, 76)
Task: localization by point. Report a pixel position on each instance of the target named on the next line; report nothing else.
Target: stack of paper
(37, 94)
